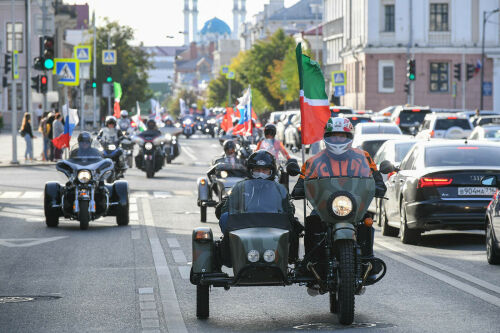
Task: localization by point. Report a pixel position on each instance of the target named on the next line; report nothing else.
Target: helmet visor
(336, 138)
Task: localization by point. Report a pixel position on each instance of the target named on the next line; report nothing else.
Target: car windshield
(445, 124)
(380, 129)
(401, 149)
(412, 116)
(462, 155)
(492, 134)
(372, 146)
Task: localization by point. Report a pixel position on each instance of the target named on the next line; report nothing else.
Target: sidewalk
(6, 150)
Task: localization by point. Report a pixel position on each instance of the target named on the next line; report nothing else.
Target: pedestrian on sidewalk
(27, 132)
(58, 129)
(50, 120)
(43, 129)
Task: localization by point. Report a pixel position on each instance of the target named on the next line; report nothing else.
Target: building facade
(372, 41)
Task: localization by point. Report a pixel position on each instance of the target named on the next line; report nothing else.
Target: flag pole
(305, 203)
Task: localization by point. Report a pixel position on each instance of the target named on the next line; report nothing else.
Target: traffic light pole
(44, 26)
(82, 121)
(94, 90)
(13, 103)
(109, 97)
(28, 63)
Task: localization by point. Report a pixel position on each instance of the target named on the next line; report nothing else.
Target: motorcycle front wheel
(83, 214)
(347, 281)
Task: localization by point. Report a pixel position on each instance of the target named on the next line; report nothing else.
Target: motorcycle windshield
(86, 153)
(228, 169)
(340, 199)
(263, 196)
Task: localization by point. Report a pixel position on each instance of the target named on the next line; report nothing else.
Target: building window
(18, 35)
(439, 77)
(386, 76)
(439, 17)
(389, 18)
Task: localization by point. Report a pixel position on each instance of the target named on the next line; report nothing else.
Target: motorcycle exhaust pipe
(370, 266)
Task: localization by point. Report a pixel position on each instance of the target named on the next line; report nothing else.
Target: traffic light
(44, 84)
(48, 52)
(36, 83)
(108, 74)
(38, 63)
(94, 84)
(7, 63)
(411, 70)
(5, 83)
(407, 88)
(457, 71)
(471, 69)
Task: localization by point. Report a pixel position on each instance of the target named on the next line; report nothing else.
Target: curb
(25, 165)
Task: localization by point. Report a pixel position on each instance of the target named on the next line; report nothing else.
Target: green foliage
(132, 66)
(218, 91)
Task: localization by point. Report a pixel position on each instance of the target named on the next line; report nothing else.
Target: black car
(493, 223)
(409, 118)
(438, 186)
(357, 119)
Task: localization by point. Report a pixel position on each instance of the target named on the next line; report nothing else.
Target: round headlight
(111, 147)
(342, 206)
(168, 137)
(269, 256)
(148, 145)
(223, 174)
(253, 256)
(84, 176)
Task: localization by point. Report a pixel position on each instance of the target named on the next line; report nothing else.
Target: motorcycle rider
(229, 155)
(261, 165)
(124, 121)
(109, 133)
(151, 129)
(84, 147)
(271, 144)
(338, 159)
(169, 122)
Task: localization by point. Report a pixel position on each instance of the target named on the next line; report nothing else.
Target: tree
(218, 91)
(173, 105)
(132, 63)
(284, 82)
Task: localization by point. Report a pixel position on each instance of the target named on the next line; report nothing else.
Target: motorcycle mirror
(292, 167)
(387, 167)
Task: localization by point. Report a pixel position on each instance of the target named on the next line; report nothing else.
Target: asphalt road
(136, 278)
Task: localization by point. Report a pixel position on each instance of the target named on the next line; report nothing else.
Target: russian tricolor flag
(70, 121)
(244, 126)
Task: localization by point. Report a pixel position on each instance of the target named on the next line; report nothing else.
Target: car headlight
(269, 256)
(342, 206)
(84, 176)
(223, 174)
(148, 145)
(111, 147)
(253, 255)
(168, 137)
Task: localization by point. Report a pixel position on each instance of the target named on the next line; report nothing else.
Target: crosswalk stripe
(32, 195)
(10, 195)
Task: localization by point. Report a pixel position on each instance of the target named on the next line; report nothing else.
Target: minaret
(243, 12)
(235, 20)
(195, 20)
(186, 23)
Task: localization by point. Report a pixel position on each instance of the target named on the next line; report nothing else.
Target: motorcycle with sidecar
(256, 244)
(85, 197)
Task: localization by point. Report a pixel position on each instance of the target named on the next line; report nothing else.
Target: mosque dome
(215, 26)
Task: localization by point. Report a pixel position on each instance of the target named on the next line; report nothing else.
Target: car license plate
(487, 191)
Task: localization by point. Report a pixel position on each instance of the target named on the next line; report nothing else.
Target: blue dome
(215, 26)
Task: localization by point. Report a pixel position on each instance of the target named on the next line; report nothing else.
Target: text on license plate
(477, 191)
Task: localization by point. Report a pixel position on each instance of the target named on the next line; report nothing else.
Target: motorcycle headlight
(223, 174)
(269, 256)
(111, 147)
(342, 206)
(253, 255)
(168, 137)
(84, 176)
(148, 145)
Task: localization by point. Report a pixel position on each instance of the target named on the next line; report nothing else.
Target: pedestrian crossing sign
(338, 78)
(225, 70)
(68, 71)
(83, 53)
(109, 57)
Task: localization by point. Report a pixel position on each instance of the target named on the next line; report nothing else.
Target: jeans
(46, 148)
(29, 147)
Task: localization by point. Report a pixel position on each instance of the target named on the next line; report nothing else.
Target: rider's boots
(366, 237)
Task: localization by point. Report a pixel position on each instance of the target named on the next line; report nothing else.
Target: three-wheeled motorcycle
(220, 178)
(257, 244)
(86, 197)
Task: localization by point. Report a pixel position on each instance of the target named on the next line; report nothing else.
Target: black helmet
(270, 129)
(151, 124)
(110, 120)
(84, 138)
(229, 144)
(262, 159)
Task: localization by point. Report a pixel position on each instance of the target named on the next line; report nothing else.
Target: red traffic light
(43, 79)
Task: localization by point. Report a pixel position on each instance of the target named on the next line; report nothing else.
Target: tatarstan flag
(314, 106)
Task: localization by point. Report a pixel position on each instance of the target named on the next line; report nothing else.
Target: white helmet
(124, 114)
(338, 145)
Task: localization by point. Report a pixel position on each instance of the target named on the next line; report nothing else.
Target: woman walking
(58, 129)
(27, 132)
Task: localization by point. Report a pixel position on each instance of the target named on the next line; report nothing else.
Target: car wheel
(387, 230)
(407, 236)
(493, 258)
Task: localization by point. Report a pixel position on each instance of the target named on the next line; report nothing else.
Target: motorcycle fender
(203, 189)
(344, 231)
(203, 250)
(120, 193)
(52, 197)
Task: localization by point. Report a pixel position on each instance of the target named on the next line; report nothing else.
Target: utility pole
(44, 30)
(28, 61)
(94, 90)
(13, 103)
(109, 96)
(463, 78)
(486, 15)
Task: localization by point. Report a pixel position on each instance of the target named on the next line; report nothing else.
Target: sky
(154, 20)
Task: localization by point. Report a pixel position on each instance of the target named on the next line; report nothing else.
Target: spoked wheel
(407, 236)
(347, 281)
(84, 215)
(202, 302)
(334, 303)
(203, 213)
(491, 256)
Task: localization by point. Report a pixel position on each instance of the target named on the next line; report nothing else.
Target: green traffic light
(48, 63)
(94, 85)
(411, 77)
(109, 79)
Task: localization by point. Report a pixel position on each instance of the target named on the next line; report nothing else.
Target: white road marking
(10, 195)
(179, 256)
(147, 290)
(184, 271)
(161, 195)
(133, 208)
(168, 297)
(184, 193)
(150, 323)
(189, 152)
(146, 298)
(172, 242)
(20, 211)
(213, 145)
(140, 194)
(133, 201)
(134, 216)
(149, 314)
(27, 242)
(443, 267)
(147, 305)
(32, 195)
(442, 277)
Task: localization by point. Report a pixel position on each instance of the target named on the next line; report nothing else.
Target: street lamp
(486, 16)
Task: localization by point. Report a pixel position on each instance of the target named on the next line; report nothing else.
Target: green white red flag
(314, 106)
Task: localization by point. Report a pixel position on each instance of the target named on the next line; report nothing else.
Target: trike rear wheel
(202, 302)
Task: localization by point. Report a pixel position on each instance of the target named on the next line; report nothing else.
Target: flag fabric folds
(244, 126)
(183, 107)
(314, 106)
(136, 120)
(227, 121)
(70, 121)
